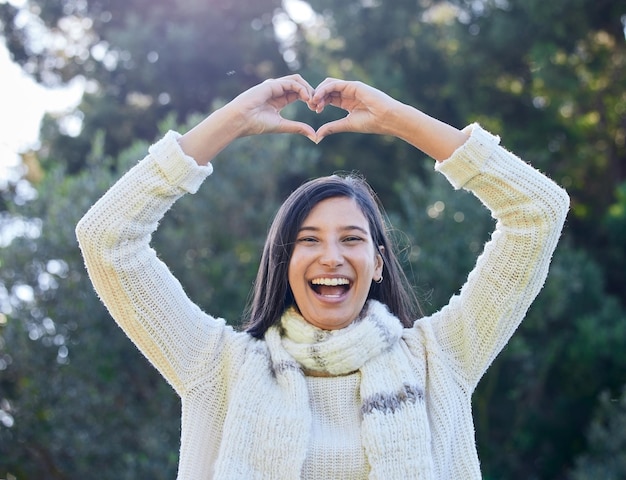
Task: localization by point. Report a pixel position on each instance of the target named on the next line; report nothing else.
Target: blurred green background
(77, 400)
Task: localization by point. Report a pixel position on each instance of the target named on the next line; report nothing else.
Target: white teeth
(331, 282)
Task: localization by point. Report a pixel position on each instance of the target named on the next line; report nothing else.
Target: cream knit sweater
(200, 355)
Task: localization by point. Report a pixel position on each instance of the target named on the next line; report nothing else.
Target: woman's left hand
(369, 110)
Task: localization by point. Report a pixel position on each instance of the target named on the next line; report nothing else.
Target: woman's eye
(352, 239)
(306, 240)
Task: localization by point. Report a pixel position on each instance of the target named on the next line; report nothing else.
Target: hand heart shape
(368, 110)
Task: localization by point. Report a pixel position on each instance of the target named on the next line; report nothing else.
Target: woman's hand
(372, 111)
(257, 110)
(369, 110)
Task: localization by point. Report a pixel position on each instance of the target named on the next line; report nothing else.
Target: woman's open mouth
(330, 287)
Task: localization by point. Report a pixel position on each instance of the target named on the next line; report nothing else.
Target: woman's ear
(378, 272)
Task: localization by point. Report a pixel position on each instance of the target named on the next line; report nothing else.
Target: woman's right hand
(257, 110)
(254, 112)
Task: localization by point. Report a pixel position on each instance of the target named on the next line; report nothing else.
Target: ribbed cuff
(468, 160)
(178, 168)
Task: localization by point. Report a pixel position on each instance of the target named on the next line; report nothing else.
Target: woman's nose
(331, 256)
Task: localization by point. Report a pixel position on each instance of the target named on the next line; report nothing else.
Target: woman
(334, 377)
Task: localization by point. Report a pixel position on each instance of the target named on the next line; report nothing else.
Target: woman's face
(333, 264)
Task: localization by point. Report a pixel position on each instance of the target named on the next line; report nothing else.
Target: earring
(380, 280)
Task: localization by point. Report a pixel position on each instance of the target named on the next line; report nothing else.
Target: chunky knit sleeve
(138, 289)
(530, 211)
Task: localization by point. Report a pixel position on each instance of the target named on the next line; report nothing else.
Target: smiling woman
(336, 375)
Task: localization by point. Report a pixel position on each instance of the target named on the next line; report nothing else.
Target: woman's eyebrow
(311, 228)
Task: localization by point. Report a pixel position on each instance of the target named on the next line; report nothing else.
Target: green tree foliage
(143, 60)
(606, 458)
(71, 389)
(432, 214)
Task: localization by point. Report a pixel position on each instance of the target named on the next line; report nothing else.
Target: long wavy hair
(272, 294)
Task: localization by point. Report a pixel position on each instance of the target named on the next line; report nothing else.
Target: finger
(309, 89)
(334, 98)
(287, 90)
(296, 83)
(299, 128)
(300, 79)
(328, 81)
(328, 87)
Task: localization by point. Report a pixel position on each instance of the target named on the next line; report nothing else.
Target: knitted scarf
(274, 409)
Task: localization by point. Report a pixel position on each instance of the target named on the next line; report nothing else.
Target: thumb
(330, 128)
